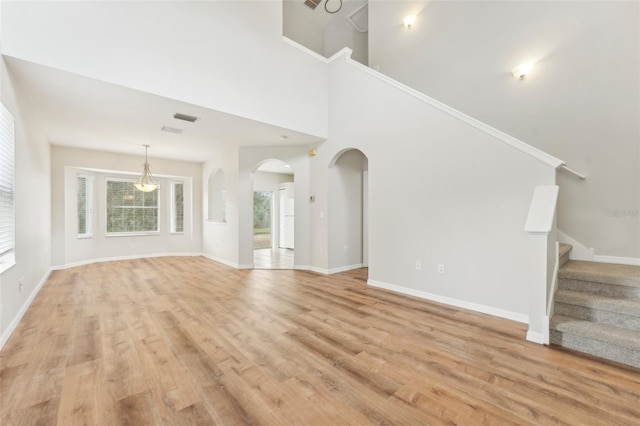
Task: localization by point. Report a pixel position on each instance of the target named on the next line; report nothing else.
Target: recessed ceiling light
(172, 130)
(185, 117)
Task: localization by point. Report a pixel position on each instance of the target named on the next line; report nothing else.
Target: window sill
(133, 234)
(177, 233)
(85, 237)
(4, 267)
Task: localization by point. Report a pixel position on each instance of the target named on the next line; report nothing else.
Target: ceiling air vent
(185, 117)
(312, 3)
(171, 130)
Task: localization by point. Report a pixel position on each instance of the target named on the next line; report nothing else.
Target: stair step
(602, 340)
(607, 290)
(602, 303)
(622, 313)
(604, 273)
(563, 253)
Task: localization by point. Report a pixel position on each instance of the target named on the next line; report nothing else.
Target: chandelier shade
(146, 182)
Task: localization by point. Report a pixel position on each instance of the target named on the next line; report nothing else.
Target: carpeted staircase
(597, 309)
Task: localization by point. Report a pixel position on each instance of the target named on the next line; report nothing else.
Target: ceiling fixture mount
(333, 9)
(409, 20)
(146, 183)
(522, 70)
(185, 117)
(172, 130)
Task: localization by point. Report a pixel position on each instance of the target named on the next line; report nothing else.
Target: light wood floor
(186, 341)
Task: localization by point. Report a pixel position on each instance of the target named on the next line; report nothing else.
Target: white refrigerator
(287, 216)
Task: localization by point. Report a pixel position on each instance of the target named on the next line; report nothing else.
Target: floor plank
(186, 341)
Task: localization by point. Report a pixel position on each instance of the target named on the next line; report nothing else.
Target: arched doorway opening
(273, 216)
(348, 211)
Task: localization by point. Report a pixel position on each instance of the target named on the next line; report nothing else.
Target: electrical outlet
(418, 265)
(346, 250)
(441, 269)
(20, 284)
(321, 250)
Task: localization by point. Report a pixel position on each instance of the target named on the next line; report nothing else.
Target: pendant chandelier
(146, 183)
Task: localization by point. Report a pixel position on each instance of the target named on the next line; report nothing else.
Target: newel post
(541, 227)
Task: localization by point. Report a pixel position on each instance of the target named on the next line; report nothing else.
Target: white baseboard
(581, 252)
(12, 326)
(344, 268)
(323, 271)
(116, 258)
(535, 337)
(615, 259)
(246, 266)
(578, 251)
(220, 260)
(514, 316)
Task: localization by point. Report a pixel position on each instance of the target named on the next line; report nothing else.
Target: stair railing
(570, 170)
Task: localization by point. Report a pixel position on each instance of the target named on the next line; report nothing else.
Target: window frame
(88, 205)
(8, 163)
(172, 207)
(106, 208)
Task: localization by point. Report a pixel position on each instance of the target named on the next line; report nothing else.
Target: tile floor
(273, 258)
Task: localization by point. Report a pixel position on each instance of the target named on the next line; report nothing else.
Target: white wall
(224, 55)
(440, 191)
(220, 239)
(581, 103)
(67, 163)
(33, 209)
(345, 211)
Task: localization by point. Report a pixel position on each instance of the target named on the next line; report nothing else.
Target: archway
(348, 212)
(273, 216)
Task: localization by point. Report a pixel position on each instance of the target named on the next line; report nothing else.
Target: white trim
(344, 268)
(554, 283)
(305, 49)
(221, 260)
(615, 259)
(514, 316)
(247, 266)
(580, 252)
(302, 267)
(16, 320)
(535, 337)
(116, 258)
(318, 270)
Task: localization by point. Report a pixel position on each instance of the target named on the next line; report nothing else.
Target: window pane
(7, 196)
(130, 210)
(177, 207)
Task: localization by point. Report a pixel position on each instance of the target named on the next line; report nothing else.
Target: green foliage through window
(130, 210)
(177, 207)
(261, 209)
